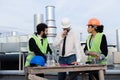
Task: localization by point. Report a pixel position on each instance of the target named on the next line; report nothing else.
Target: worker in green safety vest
(38, 46)
(96, 46)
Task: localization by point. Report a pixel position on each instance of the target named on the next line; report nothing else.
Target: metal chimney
(50, 20)
(38, 18)
(118, 39)
(13, 33)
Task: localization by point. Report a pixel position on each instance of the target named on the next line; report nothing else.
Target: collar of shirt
(39, 37)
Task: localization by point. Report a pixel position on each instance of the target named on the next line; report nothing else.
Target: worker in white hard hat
(69, 48)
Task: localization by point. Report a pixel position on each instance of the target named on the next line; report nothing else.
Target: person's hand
(97, 58)
(64, 33)
(94, 54)
(75, 63)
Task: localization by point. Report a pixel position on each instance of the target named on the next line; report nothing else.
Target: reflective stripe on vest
(95, 47)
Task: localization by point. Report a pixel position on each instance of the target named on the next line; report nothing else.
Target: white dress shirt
(72, 45)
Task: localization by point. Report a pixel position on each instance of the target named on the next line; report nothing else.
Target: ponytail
(100, 28)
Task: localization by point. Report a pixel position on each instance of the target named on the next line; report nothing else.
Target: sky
(18, 15)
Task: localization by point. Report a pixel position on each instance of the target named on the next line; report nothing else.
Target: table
(31, 71)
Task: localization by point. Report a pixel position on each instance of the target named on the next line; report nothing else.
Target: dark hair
(100, 28)
(41, 27)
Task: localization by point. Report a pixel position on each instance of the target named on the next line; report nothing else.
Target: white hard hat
(65, 23)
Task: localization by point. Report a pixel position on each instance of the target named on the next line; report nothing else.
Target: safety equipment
(28, 59)
(65, 23)
(43, 49)
(94, 22)
(38, 60)
(95, 48)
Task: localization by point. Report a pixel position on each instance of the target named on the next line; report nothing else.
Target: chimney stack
(118, 39)
(50, 20)
(38, 18)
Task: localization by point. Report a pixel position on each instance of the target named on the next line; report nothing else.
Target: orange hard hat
(94, 22)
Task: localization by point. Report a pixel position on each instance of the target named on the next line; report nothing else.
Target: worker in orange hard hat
(95, 25)
(96, 46)
(94, 21)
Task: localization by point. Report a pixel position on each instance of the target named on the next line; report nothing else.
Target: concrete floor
(54, 77)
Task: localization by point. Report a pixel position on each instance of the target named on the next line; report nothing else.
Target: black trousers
(93, 75)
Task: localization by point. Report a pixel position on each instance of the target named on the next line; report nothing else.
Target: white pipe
(118, 39)
(112, 72)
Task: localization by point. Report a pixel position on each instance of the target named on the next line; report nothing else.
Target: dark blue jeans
(66, 60)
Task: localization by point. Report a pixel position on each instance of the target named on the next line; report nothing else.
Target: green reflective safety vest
(43, 49)
(95, 47)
